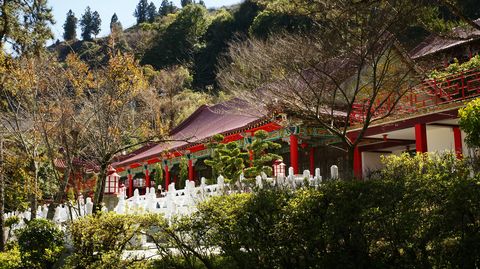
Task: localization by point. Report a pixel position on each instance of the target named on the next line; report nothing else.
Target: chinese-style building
(426, 121)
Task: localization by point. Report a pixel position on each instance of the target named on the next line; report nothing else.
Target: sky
(106, 8)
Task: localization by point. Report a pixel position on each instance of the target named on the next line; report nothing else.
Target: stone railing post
(334, 172)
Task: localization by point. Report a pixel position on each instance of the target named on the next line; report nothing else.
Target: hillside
(197, 38)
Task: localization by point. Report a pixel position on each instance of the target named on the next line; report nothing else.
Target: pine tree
(262, 158)
(117, 40)
(70, 27)
(90, 24)
(186, 2)
(202, 3)
(228, 160)
(115, 23)
(151, 12)
(166, 8)
(141, 11)
(96, 23)
(86, 24)
(172, 8)
(25, 25)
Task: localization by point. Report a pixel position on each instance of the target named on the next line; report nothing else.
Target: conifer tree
(261, 156)
(172, 8)
(202, 3)
(96, 23)
(151, 12)
(141, 12)
(166, 8)
(228, 160)
(90, 24)
(115, 23)
(186, 2)
(86, 24)
(25, 25)
(70, 27)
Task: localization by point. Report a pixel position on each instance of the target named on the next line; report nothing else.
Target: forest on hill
(197, 38)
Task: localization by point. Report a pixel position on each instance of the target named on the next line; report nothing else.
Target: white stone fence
(174, 202)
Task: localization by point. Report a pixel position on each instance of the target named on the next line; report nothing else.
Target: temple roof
(205, 122)
(435, 43)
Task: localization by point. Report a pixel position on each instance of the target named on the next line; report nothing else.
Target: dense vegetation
(421, 212)
(198, 38)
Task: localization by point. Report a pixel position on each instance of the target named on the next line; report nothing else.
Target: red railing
(429, 93)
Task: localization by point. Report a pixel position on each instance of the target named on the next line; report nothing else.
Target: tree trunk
(2, 200)
(33, 196)
(60, 194)
(349, 163)
(100, 188)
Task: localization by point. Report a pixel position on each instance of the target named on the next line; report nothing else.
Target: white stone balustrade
(173, 202)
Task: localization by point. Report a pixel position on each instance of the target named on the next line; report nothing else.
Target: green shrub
(470, 122)
(10, 259)
(454, 68)
(40, 244)
(420, 212)
(99, 240)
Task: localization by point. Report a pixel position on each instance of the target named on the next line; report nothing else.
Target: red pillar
(294, 153)
(312, 160)
(167, 177)
(130, 184)
(147, 178)
(421, 137)
(190, 170)
(357, 163)
(457, 137)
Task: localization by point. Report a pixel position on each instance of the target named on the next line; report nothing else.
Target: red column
(457, 137)
(357, 163)
(312, 160)
(190, 170)
(421, 137)
(167, 177)
(147, 178)
(130, 184)
(294, 153)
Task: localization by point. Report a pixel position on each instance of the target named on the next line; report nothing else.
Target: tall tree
(350, 72)
(117, 40)
(25, 25)
(90, 24)
(141, 12)
(96, 23)
(322, 77)
(202, 3)
(166, 8)
(70, 27)
(185, 3)
(181, 40)
(219, 33)
(151, 12)
(120, 115)
(115, 23)
(86, 24)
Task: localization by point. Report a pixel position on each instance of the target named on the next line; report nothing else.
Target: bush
(470, 122)
(455, 68)
(422, 211)
(40, 244)
(99, 240)
(10, 259)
